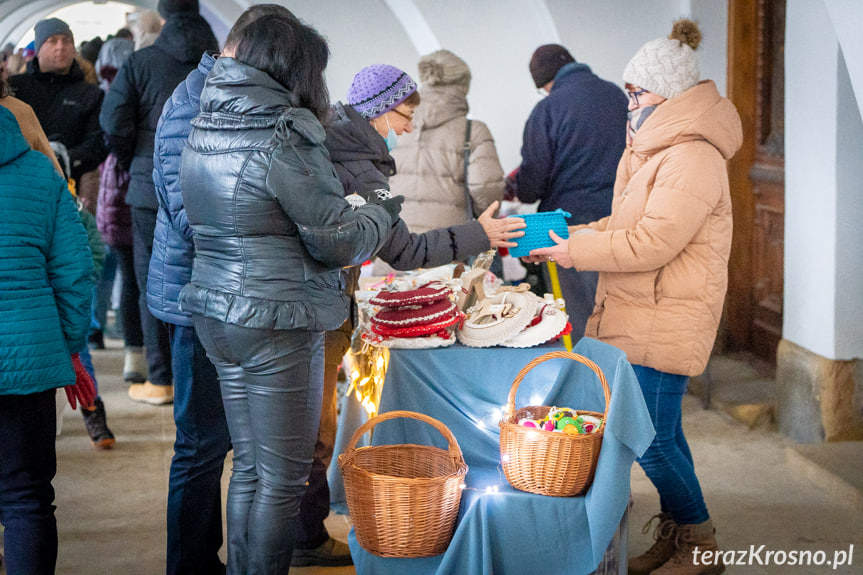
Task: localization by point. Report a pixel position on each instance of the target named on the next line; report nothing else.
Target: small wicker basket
(545, 462)
(403, 499)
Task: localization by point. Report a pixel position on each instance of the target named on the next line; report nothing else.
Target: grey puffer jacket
(431, 162)
(364, 165)
(270, 223)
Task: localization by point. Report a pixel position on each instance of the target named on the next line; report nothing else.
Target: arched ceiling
(495, 38)
(18, 16)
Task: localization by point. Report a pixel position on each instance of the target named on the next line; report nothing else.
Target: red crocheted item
(423, 295)
(417, 330)
(414, 315)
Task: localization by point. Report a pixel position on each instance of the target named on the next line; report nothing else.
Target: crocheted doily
(497, 318)
(548, 323)
(426, 342)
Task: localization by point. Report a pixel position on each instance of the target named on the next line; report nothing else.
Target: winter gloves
(84, 391)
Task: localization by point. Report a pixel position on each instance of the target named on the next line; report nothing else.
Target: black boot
(97, 426)
(96, 339)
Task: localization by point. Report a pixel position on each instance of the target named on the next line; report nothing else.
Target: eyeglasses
(403, 115)
(633, 96)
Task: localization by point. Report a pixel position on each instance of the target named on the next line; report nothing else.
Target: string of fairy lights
(367, 371)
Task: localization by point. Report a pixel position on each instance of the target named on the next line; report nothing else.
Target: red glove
(84, 390)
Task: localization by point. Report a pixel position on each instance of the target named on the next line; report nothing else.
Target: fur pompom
(687, 32)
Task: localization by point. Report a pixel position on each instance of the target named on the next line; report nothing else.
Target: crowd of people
(238, 202)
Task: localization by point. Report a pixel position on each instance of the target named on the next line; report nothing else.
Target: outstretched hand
(500, 230)
(557, 253)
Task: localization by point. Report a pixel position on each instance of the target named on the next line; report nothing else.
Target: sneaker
(97, 426)
(96, 339)
(134, 366)
(153, 394)
(331, 553)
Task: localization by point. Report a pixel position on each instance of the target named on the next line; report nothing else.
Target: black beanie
(90, 50)
(168, 8)
(546, 61)
(47, 28)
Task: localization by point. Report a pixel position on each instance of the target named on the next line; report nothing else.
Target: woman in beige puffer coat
(430, 159)
(663, 255)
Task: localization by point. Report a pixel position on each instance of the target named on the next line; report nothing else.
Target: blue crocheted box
(536, 233)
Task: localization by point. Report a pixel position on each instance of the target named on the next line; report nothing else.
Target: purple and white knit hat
(379, 88)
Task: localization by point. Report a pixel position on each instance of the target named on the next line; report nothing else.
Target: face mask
(392, 137)
(637, 118)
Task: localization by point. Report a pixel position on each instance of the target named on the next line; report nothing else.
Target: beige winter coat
(430, 163)
(663, 251)
(30, 127)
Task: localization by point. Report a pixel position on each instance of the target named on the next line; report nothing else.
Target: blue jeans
(200, 448)
(87, 362)
(103, 289)
(668, 460)
(272, 383)
(28, 462)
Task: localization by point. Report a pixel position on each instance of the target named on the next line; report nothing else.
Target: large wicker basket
(403, 499)
(545, 462)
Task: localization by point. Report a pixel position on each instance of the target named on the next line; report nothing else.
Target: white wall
(497, 37)
(823, 310)
(846, 18)
(849, 219)
(712, 18)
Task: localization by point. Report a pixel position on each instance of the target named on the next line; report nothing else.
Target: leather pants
(272, 383)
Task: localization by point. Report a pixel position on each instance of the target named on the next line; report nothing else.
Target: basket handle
(454, 449)
(509, 412)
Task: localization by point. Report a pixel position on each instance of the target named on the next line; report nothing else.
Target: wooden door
(756, 83)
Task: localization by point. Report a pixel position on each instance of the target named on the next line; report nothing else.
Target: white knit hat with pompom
(667, 66)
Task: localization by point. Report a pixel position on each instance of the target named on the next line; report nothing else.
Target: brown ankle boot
(696, 552)
(661, 550)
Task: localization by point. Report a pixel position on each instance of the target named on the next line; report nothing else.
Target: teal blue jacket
(45, 270)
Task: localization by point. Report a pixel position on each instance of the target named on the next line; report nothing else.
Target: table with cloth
(502, 530)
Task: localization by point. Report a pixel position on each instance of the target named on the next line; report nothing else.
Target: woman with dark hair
(272, 231)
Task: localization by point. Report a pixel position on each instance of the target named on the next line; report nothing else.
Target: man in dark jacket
(65, 104)
(573, 140)
(129, 117)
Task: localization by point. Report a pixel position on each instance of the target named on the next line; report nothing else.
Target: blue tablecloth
(502, 530)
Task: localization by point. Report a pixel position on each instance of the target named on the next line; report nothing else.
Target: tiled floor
(111, 505)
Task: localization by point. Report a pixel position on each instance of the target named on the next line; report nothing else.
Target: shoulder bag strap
(466, 152)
